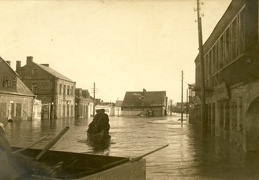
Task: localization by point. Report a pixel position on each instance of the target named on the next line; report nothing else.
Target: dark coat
(99, 123)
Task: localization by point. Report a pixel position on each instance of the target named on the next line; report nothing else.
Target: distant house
(118, 105)
(56, 92)
(180, 107)
(107, 106)
(16, 100)
(144, 103)
(84, 103)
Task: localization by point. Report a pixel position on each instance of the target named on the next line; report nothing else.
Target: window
(22, 72)
(234, 34)
(60, 88)
(13, 83)
(221, 60)
(34, 88)
(34, 72)
(68, 90)
(242, 32)
(227, 46)
(72, 90)
(6, 82)
(64, 90)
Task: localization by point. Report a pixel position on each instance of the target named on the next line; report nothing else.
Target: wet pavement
(190, 154)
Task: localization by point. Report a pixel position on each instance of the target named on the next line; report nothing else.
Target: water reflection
(190, 154)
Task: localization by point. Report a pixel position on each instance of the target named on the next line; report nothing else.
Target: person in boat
(99, 123)
(15, 165)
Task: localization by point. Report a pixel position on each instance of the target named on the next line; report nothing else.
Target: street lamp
(52, 110)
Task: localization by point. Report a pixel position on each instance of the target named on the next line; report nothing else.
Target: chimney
(47, 65)
(85, 93)
(9, 63)
(29, 59)
(18, 65)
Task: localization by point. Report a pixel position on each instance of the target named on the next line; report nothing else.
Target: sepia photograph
(129, 89)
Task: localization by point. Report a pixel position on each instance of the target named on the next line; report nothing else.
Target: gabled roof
(53, 72)
(23, 89)
(1, 59)
(148, 98)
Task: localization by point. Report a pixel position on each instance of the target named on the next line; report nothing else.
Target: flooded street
(188, 156)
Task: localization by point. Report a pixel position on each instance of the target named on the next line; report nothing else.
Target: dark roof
(22, 90)
(1, 59)
(149, 98)
(53, 72)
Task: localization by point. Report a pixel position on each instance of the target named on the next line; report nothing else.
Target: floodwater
(190, 155)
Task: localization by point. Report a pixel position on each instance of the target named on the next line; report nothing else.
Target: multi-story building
(56, 92)
(16, 100)
(145, 103)
(84, 103)
(231, 63)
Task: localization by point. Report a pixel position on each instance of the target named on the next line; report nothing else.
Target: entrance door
(252, 126)
(18, 110)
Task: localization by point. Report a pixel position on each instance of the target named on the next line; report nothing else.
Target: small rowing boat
(88, 166)
(99, 138)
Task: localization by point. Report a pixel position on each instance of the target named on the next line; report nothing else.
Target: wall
(16, 107)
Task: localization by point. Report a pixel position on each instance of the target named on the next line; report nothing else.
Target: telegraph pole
(94, 91)
(203, 101)
(187, 104)
(182, 99)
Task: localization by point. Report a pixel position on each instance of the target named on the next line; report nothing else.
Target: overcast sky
(124, 45)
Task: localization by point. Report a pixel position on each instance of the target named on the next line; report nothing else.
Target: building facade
(16, 100)
(109, 107)
(117, 109)
(231, 63)
(145, 103)
(83, 103)
(56, 92)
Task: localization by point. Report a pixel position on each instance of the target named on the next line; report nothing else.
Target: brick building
(56, 92)
(16, 100)
(231, 61)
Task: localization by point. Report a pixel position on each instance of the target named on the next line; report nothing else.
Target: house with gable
(56, 91)
(144, 103)
(16, 100)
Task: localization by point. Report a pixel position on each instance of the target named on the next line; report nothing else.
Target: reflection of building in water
(16, 100)
(37, 106)
(231, 76)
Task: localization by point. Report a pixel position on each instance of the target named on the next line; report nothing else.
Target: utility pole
(182, 99)
(187, 104)
(203, 101)
(171, 107)
(94, 91)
